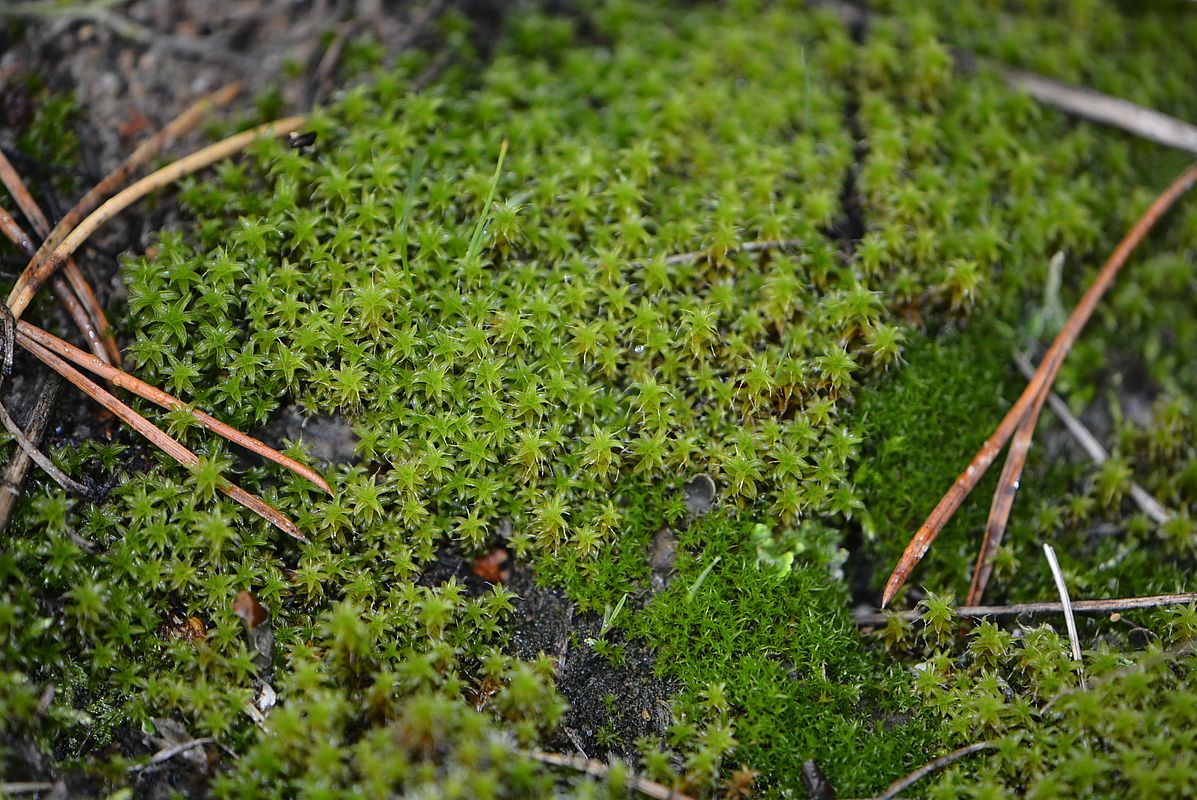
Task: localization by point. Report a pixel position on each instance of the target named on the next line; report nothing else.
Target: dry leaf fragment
(490, 566)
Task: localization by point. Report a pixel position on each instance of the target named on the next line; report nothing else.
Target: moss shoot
(642, 243)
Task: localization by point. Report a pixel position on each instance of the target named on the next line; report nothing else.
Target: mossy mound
(643, 243)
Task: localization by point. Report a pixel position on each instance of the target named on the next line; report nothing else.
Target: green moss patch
(548, 291)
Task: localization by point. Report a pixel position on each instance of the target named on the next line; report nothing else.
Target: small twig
(18, 466)
(159, 438)
(39, 458)
(38, 272)
(1046, 374)
(895, 788)
(1150, 506)
(598, 769)
(28, 332)
(1069, 620)
(1098, 107)
(870, 619)
(167, 753)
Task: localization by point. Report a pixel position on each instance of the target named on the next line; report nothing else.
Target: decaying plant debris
(653, 331)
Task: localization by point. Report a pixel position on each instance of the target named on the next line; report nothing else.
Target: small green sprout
(610, 614)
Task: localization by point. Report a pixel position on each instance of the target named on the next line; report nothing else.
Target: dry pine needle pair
(54, 256)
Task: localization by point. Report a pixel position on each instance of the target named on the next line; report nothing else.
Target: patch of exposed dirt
(612, 702)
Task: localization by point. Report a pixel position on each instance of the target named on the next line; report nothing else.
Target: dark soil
(613, 701)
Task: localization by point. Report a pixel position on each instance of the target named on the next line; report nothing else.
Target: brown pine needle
(597, 769)
(37, 272)
(1003, 499)
(86, 311)
(27, 332)
(69, 300)
(145, 151)
(1046, 373)
(869, 619)
(159, 438)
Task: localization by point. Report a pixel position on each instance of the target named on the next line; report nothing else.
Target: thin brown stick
(1147, 503)
(1052, 361)
(1003, 501)
(13, 480)
(69, 299)
(869, 619)
(598, 769)
(85, 309)
(149, 148)
(159, 438)
(36, 273)
(895, 788)
(27, 332)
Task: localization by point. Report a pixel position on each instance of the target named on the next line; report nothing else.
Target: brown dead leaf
(490, 566)
(249, 610)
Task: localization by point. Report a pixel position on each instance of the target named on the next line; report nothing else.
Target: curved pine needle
(1054, 358)
(87, 297)
(69, 300)
(27, 332)
(36, 273)
(149, 148)
(94, 322)
(159, 438)
(1003, 499)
